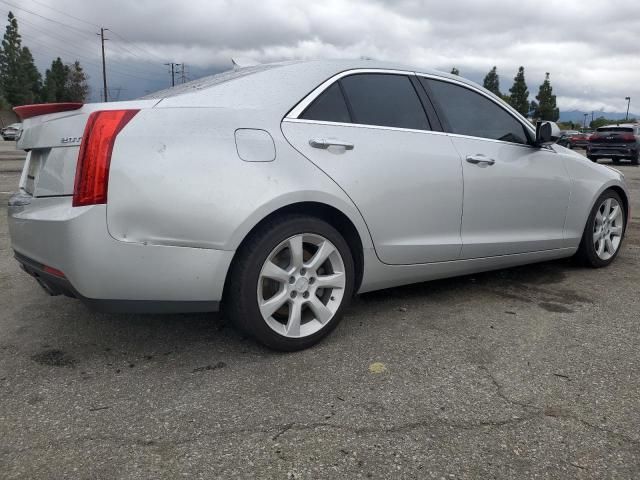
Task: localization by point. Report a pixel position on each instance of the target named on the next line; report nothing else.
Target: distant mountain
(577, 116)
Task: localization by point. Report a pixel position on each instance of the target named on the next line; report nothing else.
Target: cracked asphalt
(524, 373)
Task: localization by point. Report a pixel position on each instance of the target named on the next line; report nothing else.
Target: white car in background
(11, 132)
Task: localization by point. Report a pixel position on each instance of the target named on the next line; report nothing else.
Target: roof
(273, 86)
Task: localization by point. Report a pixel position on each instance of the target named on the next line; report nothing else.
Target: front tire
(592, 158)
(604, 232)
(290, 283)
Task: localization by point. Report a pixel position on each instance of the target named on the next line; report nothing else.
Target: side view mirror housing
(546, 133)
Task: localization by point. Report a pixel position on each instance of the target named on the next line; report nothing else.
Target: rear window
(615, 129)
(384, 100)
(328, 107)
(212, 80)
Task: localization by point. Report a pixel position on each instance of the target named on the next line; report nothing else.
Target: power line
(65, 14)
(98, 26)
(75, 45)
(144, 50)
(46, 18)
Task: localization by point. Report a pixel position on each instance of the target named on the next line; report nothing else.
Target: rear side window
(615, 130)
(330, 106)
(469, 113)
(384, 100)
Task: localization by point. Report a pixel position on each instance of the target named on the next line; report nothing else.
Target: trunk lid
(53, 142)
(613, 136)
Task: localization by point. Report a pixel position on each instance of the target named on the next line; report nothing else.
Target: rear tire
(634, 160)
(604, 231)
(282, 290)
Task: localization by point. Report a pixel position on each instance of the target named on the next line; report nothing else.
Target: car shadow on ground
(67, 327)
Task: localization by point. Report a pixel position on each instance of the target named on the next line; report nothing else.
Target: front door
(370, 134)
(515, 195)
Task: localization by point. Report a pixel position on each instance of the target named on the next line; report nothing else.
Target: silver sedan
(278, 191)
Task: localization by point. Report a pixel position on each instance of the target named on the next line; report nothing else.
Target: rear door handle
(480, 159)
(326, 143)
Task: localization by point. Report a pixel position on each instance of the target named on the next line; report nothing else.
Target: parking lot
(524, 373)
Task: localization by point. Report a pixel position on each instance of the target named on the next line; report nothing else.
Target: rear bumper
(612, 151)
(108, 274)
(55, 285)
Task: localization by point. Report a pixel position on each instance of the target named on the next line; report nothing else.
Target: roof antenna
(242, 63)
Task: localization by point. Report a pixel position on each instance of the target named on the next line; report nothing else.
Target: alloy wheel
(301, 285)
(608, 228)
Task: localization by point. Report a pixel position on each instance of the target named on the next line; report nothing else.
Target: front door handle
(480, 159)
(326, 143)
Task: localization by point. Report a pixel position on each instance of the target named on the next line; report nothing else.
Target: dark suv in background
(616, 142)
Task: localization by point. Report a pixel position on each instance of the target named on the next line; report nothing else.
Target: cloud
(589, 47)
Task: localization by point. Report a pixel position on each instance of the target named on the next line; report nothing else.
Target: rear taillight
(92, 170)
(593, 138)
(628, 137)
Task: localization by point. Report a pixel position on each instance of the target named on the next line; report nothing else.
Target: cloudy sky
(590, 47)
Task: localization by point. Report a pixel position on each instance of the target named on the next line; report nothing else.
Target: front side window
(469, 113)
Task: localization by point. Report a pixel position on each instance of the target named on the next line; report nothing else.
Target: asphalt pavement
(524, 373)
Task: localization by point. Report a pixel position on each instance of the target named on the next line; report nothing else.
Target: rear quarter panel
(176, 179)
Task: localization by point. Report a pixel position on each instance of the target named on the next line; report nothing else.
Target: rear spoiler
(28, 111)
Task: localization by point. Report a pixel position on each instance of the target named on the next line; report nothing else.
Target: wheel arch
(625, 199)
(620, 191)
(354, 236)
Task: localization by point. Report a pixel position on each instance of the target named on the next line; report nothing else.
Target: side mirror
(546, 133)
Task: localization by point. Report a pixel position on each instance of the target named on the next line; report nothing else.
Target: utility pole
(173, 72)
(628, 99)
(584, 123)
(183, 73)
(104, 67)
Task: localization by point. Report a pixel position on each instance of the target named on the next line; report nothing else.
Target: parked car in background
(11, 132)
(574, 140)
(617, 142)
(277, 191)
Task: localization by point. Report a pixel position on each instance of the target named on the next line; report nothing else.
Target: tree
(65, 83)
(30, 77)
(455, 71)
(519, 93)
(545, 108)
(55, 81)
(76, 87)
(19, 77)
(492, 82)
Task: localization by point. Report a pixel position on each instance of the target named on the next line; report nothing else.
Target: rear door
(515, 195)
(369, 132)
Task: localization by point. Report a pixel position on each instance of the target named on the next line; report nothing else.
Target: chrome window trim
(399, 129)
(360, 125)
(296, 111)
